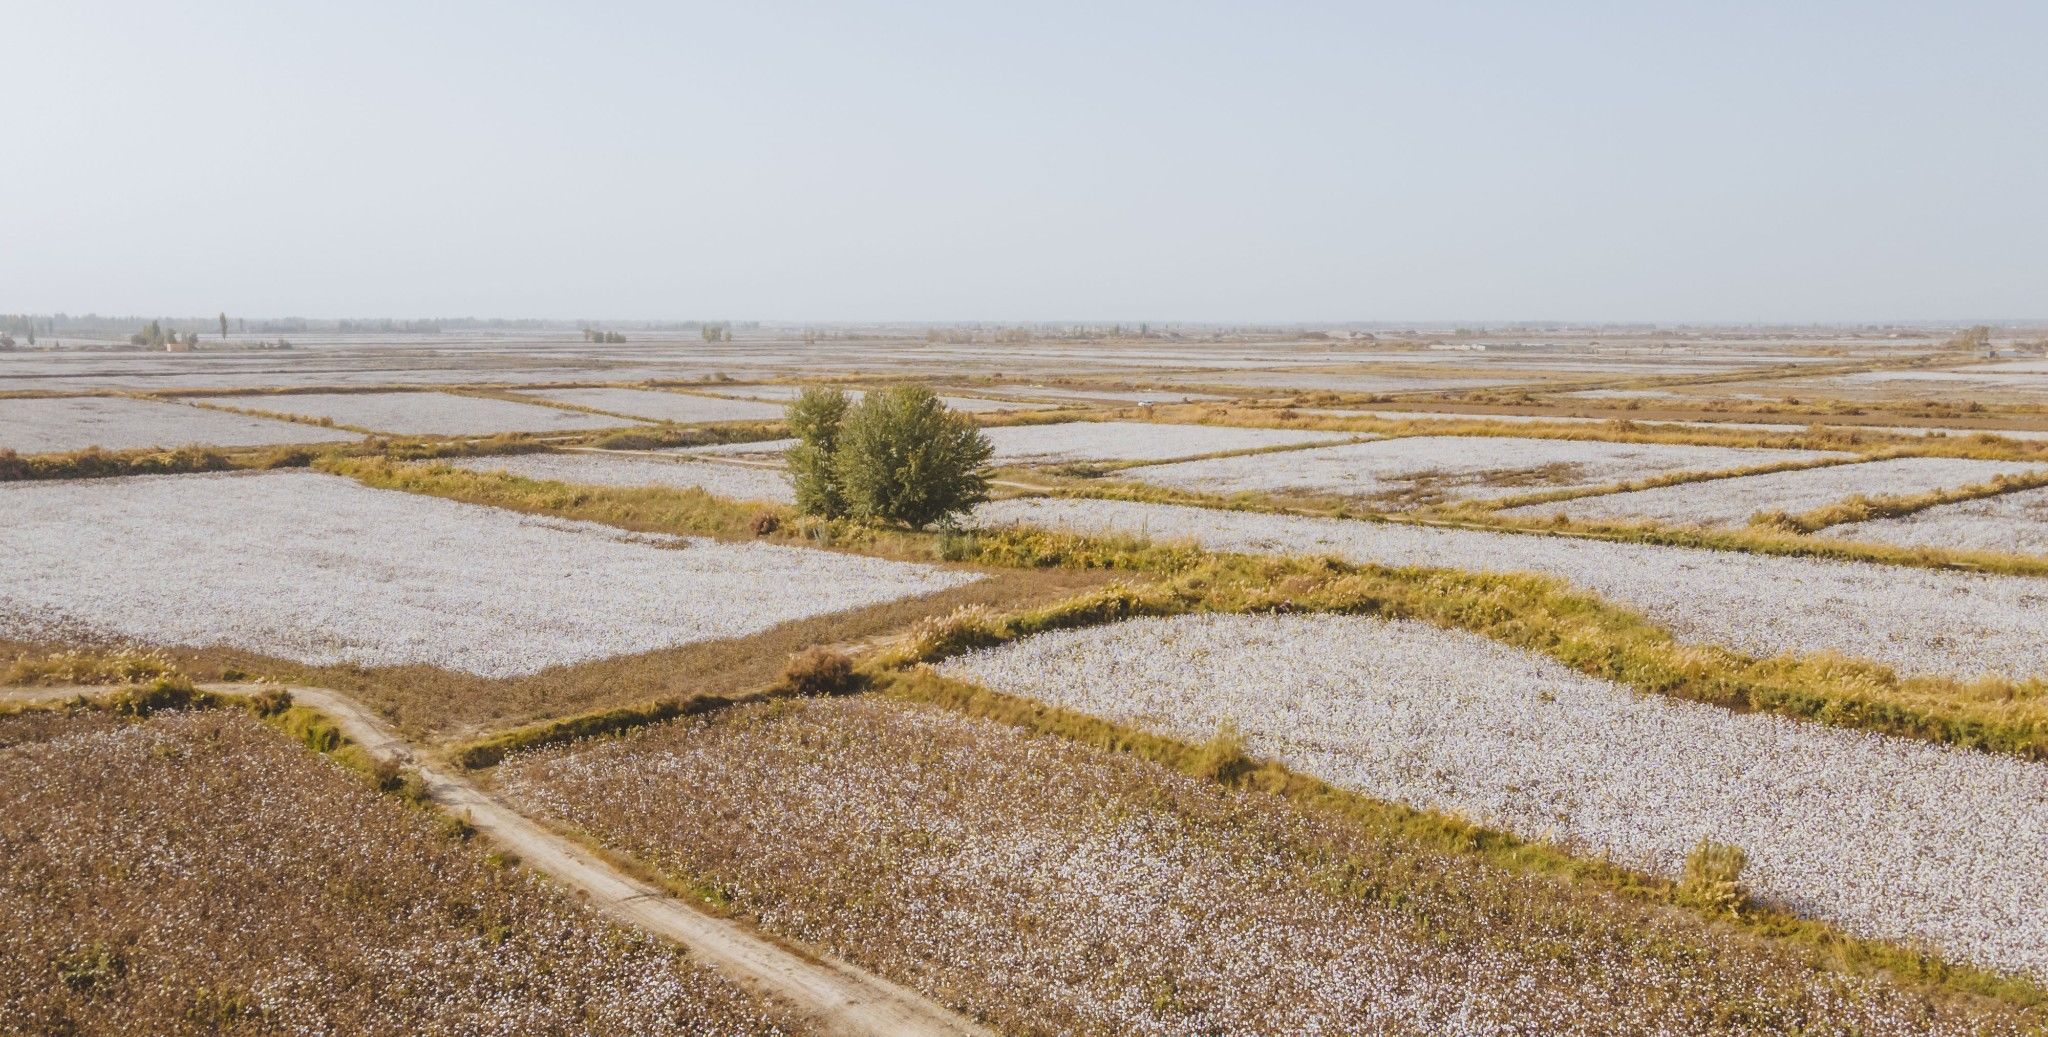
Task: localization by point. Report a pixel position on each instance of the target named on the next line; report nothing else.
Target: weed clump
(1713, 878)
(820, 671)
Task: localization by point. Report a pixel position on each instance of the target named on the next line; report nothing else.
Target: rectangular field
(198, 873)
(322, 570)
(1414, 470)
(1884, 837)
(965, 404)
(655, 405)
(1136, 441)
(1918, 621)
(1052, 887)
(724, 480)
(425, 413)
(1731, 502)
(2014, 523)
(64, 424)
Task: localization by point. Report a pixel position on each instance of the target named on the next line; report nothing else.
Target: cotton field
(322, 570)
(654, 405)
(62, 424)
(1731, 502)
(1914, 620)
(1429, 469)
(425, 413)
(1056, 888)
(1887, 838)
(760, 449)
(725, 480)
(785, 393)
(2014, 523)
(1136, 441)
(201, 873)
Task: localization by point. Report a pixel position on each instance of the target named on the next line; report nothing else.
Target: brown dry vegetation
(196, 873)
(1057, 888)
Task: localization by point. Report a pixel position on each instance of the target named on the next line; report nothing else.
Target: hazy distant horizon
(1744, 164)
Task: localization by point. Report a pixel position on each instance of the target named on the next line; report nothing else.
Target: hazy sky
(1112, 161)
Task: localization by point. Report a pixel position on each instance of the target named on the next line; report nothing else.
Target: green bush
(815, 418)
(901, 456)
(896, 456)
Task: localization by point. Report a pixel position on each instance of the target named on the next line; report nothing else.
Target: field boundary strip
(1584, 630)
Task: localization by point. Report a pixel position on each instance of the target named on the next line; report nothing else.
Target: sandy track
(836, 998)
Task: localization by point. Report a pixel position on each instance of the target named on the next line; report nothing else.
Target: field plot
(1059, 888)
(425, 413)
(2016, 523)
(323, 570)
(724, 480)
(1104, 395)
(1429, 469)
(1331, 381)
(58, 425)
(967, 404)
(655, 405)
(1918, 621)
(200, 874)
(1731, 502)
(1136, 441)
(1885, 837)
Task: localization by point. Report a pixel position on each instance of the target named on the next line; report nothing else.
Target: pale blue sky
(1111, 161)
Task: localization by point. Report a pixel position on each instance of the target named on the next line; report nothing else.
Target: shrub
(1712, 880)
(172, 692)
(1221, 758)
(763, 523)
(814, 418)
(903, 457)
(966, 628)
(819, 671)
(269, 703)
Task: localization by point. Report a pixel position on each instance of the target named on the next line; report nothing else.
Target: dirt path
(834, 997)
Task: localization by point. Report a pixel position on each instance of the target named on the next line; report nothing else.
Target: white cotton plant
(1918, 621)
(738, 482)
(1886, 837)
(323, 570)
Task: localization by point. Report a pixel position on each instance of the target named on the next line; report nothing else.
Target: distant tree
(192, 338)
(902, 456)
(223, 325)
(31, 333)
(6, 340)
(814, 418)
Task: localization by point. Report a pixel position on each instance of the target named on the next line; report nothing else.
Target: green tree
(814, 418)
(901, 456)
